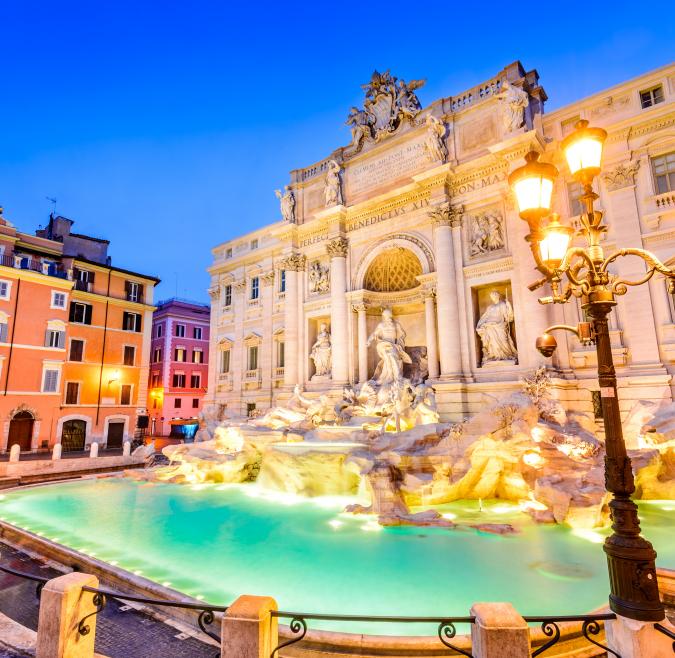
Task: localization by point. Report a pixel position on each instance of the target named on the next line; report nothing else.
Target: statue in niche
(434, 142)
(321, 352)
(287, 203)
(494, 329)
(333, 187)
(514, 101)
(319, 278)
(487, 233)
(389, 339)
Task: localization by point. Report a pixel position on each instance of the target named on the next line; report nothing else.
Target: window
(84, 279)
(574, 193)
(254, 244)
(253, 357)
(134, 291)
(76, 350)
(180, 330)
(179, 354)
(651, 96)
(250, 408)
(50, 380)
(177, 403)
(159, 331)
(72, 393)
(255, 287)
(197, 356)
(281, 355)
(664, 173)
(55, 338)
(195, 381)
(228, 295)
(282, 281)
(155, 380)
(157, 355)
(225, 362)
(197, 333)
(125, 394)
(195, 403)
(154, 403)
(80, 313)
(131, 321)
(178, 380)
(4, 289)
(129, 355)
(228, 252)
(4, 331)
(58, 299)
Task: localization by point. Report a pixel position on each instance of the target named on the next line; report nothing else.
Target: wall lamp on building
(583, 271)
(114, 377)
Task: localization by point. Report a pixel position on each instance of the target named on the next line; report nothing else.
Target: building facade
(416, 216)
(74, 340)
(179, 366)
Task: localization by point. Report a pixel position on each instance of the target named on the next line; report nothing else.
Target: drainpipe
(105, 331)
(11, 340)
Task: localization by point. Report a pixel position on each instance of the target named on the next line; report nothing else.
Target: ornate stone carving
(359, 308)
(267, 278)
(487, 233)
(319, 277)
(389, 101)
(287, 203)
(446, 214)
(434, 142)
(389, 339)
(338, 248)
(621, 176)
(333, 186)
(321, 353)
(214, 292)
(294, 263)
(514, 101)
(429, 291)
(240, 286)
(494, 330)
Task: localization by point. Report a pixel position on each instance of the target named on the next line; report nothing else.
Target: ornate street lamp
(630, 557)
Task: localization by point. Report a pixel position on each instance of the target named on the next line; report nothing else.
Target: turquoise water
(218, 541)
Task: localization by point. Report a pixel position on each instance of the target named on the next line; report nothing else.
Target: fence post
(126, 449)
(62, 605)
(15, 453)
(249, 630)
(499, 632)
(638, 639)
(93, 450)
(56, 451)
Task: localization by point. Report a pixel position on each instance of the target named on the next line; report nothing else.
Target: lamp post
(583, 272)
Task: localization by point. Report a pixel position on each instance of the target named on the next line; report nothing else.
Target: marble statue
(321, 353)
(389, 339)
(425, 409)
(487, 233)
(494, 329)
(434, 142)
(333, 187)
(287, 202)
(299, 409)
(514, 101)
(319, 278)
(360, 123)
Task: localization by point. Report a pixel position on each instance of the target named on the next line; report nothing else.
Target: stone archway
(393, 270)
(21, 431)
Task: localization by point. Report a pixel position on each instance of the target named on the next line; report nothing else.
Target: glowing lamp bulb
(532, 185)
(555, 242)
(583, 151)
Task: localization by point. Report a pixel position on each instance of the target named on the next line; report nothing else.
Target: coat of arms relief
(388, 104)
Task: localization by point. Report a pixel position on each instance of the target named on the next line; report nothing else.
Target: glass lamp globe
(554, 242)
(532, 185)
(583, 151)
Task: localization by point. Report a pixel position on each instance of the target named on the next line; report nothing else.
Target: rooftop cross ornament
(583, 272)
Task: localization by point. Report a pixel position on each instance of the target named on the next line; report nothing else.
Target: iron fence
(590, 625)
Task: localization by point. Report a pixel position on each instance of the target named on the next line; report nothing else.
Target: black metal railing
(590, 625)
(40, 580)
(667, 632)
(446, 630)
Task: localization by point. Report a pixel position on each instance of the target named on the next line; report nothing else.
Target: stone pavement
(121, 632)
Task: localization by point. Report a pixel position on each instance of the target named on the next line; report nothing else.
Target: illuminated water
(216, 542)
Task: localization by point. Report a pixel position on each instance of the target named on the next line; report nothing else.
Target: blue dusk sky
(166, 126)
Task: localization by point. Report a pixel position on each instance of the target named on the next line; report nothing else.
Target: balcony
(658, 208)
(27, 263)
(279, 373)
(225, 381)
(252, 379)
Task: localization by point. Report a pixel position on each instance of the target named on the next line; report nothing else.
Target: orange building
(74, 341)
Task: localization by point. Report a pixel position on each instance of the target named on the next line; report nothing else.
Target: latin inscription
(478, 184)
(362, 222)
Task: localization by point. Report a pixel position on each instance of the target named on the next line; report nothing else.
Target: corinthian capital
(446, 214)
(338, 248)
(295, 262)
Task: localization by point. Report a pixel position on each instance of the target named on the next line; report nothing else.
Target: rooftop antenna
(52, 200)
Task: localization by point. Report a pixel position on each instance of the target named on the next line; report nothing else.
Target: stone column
(499, 631)
(362, 337)
(294, 264)
(465, 337)
(442, 217)
(337, 250)
(430, 326)
(249, 630)
(267, 345)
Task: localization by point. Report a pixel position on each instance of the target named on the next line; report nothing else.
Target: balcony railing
(279, 373)
(27, 263)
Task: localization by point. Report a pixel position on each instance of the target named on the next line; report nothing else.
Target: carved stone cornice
(621, 176)
(214, 292)
(446, 214)
(267, 278)
(295, 262)
(359, 308)
(240, 286)
(338, 247)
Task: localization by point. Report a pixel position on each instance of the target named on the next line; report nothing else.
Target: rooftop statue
(287, 202)
(514, 101)
(333, 186)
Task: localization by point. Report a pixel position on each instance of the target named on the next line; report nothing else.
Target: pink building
(179, 367)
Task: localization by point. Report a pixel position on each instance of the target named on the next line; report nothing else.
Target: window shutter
(62, 339)
(140, 293)
(137, 321)
(92, 275)
(3, 332)
(47, 337)
(87, 314)
(127, 288)
(71, 313)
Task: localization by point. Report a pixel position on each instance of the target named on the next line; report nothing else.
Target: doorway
(115, 435)
(21, 431)
(73, 435)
